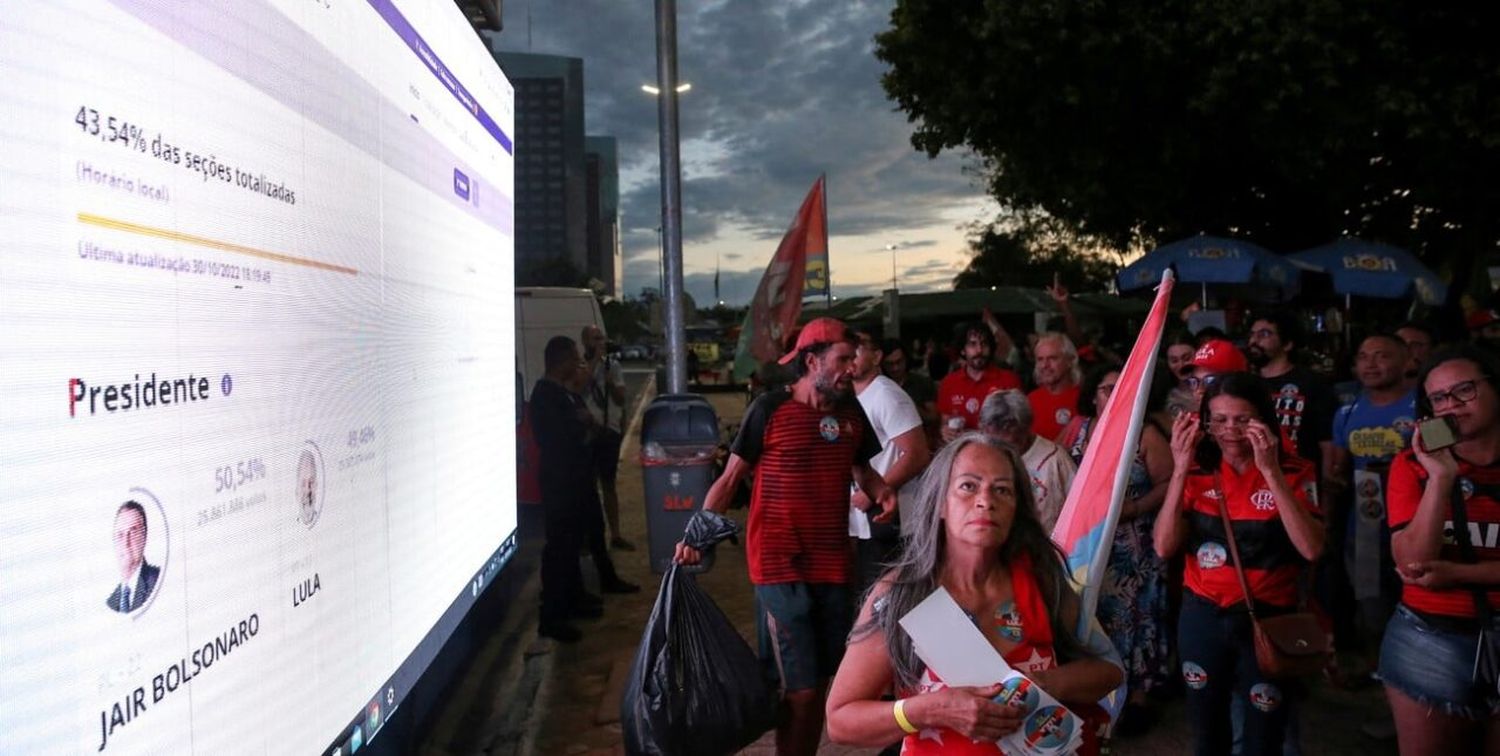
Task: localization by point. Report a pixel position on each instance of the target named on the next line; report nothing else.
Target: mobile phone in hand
(1438, 433)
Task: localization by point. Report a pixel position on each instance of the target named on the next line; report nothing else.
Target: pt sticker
(1049, 727)
(1265, 697)
(1008, 622)
(828, 428)
(1212, 555)
(1020, 692)
(1194, 676)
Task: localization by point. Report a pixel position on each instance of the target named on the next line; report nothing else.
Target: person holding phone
(1443, 698)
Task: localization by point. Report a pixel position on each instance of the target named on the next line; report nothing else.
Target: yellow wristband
(901, 720)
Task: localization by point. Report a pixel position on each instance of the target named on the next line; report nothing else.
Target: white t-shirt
(1052, 472)
(892, 413)
(606, 374)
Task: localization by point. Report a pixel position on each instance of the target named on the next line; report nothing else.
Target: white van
(543, 312)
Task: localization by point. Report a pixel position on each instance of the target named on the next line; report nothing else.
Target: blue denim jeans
(1435, 666)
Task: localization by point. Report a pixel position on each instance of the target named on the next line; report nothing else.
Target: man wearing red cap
(804, 446)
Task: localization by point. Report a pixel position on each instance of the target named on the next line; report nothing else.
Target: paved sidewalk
(576, 708)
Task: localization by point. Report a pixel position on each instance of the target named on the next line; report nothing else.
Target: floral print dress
(1133, 603)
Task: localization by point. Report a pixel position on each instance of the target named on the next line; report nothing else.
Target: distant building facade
(551, 199)
(602, 232)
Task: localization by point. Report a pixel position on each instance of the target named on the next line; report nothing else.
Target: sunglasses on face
(1458, 394)
(1194, 382)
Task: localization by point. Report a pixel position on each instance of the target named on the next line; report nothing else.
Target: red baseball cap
(817, 331)
(1481, 318)
(1220, 356)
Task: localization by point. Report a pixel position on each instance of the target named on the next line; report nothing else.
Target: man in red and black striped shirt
(804, 446)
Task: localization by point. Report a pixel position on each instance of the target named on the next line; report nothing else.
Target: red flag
(778, 299)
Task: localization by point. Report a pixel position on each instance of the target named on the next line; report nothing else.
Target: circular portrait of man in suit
(139, 567)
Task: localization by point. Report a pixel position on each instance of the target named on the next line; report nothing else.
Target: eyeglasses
(1459, 394)
(1194, 382)
(1223, 424)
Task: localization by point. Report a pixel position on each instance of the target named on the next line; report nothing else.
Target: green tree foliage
(1284, 121)
(1020, 250)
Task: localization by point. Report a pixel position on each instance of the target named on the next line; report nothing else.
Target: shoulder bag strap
(1234, 548)
(1464, 538)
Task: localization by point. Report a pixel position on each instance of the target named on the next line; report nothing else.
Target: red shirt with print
(1271, 562)
(804, 457)
(960, 395)
(1050, 412)
(1479, 487)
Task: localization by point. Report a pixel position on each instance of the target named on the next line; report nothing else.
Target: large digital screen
(256, 374)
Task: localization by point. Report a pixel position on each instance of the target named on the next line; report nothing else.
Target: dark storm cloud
(782, 92)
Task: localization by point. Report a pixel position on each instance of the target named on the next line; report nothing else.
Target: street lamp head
(654, 90)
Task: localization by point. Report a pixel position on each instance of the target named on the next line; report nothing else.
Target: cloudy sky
(781, 92)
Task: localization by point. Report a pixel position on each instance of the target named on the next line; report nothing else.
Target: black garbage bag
(696, 687)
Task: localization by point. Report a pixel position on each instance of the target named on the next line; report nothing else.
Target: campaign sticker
(1194, 675)
(1019, 692)
(828, 428)
(972, 405)
(1265, 697)
(1008, 622)
(1063, 415)
(1049, 727)
(1212, 555)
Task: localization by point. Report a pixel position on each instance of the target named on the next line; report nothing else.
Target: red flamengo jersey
(799, 509)
(1271, 562)
(958, 394)
(1479, 486)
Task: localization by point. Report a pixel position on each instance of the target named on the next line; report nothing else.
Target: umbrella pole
(1349, 321)
(1204, 288)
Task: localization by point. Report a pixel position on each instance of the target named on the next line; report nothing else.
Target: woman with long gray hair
(978, 537)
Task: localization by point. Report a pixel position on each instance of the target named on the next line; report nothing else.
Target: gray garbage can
(679, 437)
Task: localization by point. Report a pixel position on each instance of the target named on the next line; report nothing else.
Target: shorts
(607, 455)
(1434, 666)
(803, 629)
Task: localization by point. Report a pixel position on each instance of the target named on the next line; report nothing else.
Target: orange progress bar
(203, 241)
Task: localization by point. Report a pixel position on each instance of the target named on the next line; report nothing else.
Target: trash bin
(679, 438)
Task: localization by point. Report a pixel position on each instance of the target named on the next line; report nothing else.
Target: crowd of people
(1257, 483)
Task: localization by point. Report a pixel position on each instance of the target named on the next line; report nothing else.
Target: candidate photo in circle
(309, 485)
(138, 576)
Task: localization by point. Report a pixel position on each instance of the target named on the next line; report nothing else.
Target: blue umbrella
(1367, 269)
(1211, 259)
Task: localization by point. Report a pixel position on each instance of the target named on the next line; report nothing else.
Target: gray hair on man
(1002, 408)
(1075, 372)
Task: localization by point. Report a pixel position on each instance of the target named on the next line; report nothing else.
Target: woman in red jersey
(1444, 698)
(1239, 468)
(979, 538)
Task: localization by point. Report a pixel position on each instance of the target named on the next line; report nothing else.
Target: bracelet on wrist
(899, 712)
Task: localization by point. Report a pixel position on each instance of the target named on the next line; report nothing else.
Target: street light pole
(671, 193)
(892, 248)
